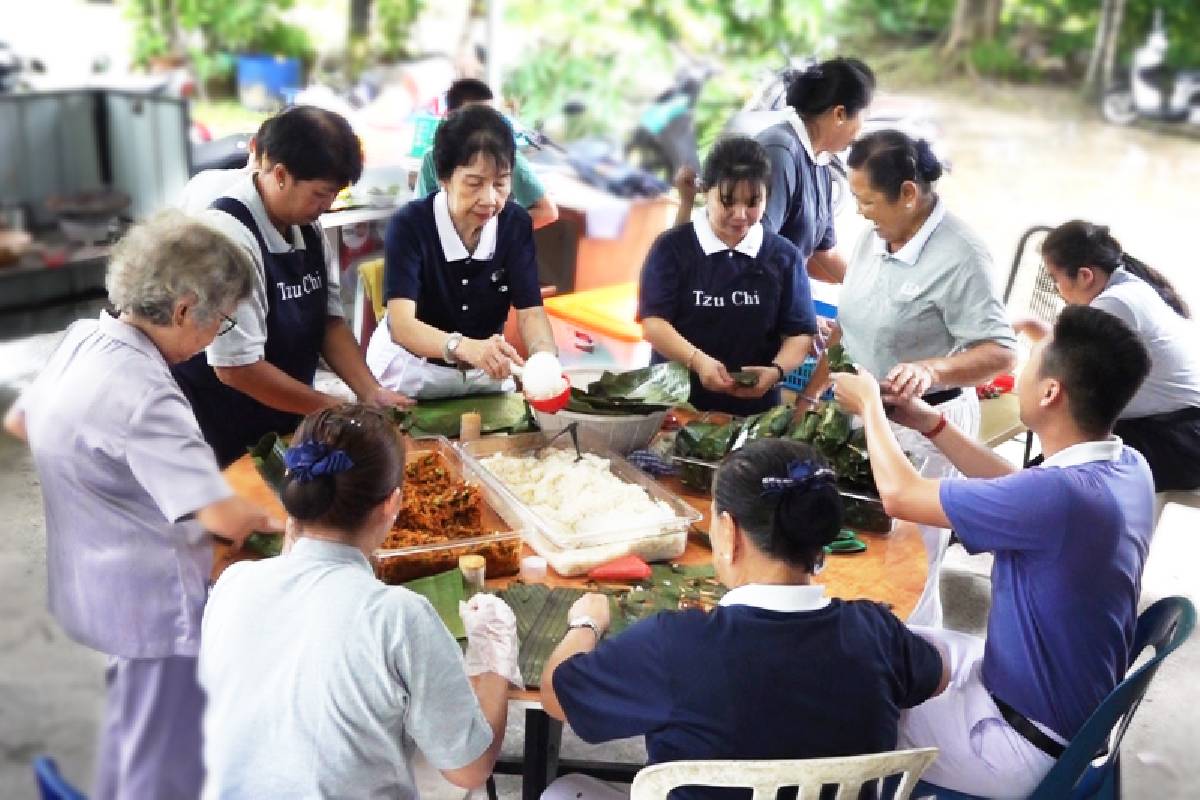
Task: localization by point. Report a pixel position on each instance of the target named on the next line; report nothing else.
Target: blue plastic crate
(797, 380)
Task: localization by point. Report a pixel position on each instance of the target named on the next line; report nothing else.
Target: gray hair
(172, 257)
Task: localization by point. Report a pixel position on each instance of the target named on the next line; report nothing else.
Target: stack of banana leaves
(701, 445)
(498, 413)
(541, 611)
(641, 391)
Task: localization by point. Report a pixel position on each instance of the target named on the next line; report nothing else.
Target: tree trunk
(1091, 79)
(973, 21)
(1114, 38)
(360, 18)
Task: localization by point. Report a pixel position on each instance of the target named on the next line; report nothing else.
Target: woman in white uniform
(455, 263)
(918, 306)
(1162, 421)
(320, 678)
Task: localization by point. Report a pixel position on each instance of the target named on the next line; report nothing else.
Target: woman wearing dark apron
(257, 377)
(722, 294)
(1162, 421)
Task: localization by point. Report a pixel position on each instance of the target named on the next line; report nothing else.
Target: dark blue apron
(297, 307)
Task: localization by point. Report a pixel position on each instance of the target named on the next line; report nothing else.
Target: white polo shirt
(246, 343)
(321, 679)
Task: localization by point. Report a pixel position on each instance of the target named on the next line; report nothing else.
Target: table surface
(892, 569)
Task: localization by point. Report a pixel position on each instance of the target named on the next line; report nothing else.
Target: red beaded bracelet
(941, 426)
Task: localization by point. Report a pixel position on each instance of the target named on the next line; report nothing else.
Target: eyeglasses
(229, 324)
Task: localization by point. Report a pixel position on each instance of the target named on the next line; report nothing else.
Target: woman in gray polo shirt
(130, 489)
(1162, 421)
(918, 308)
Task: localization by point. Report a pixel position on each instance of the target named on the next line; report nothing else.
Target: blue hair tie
(311, 460)
(800, 474)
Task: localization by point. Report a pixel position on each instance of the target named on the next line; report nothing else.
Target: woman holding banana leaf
(724, 296)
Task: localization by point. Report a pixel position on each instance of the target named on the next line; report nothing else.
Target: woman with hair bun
(721, 294)
(1162, 421)
(319, 677)
(776, 670)
(918, 306)
(826, 103)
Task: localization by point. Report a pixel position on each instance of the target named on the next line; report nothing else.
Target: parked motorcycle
(665, 138)
(1154, 91)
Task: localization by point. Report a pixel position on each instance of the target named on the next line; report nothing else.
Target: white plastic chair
(767, 777)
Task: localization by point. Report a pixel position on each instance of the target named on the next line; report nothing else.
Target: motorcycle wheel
(646, 154)
(1117, 107)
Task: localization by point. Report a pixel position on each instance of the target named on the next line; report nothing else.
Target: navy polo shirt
(468, 295)
(744, 682)
(799, 203)
(734, 306)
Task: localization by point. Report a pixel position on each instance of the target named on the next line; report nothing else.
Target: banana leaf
(839, 359)
(541, 614)
(806, 429)
(744, 377)
(499, 413)
(583, 403)
(268, 456)
(770, 424)
(444, 592)
(659, 384)
(267, 545)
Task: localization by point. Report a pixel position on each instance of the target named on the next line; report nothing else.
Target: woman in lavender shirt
(132, 492)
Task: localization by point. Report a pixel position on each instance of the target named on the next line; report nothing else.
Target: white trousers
(963, 413)
(399, 370)
(978, 752)
(582, 787)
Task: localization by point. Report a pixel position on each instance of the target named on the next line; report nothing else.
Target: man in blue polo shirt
(1070, 540)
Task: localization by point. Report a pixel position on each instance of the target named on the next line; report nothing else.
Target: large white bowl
(621, 434)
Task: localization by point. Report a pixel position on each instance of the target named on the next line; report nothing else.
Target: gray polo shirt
(321, 679)
(246, 343)
(1174, 379)
(930, 299)
(122, 466)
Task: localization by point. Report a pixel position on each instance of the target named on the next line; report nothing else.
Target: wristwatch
(451, 347)
(585, 622)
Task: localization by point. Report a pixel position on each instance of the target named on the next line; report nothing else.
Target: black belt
(944, 396)
(1035, 735)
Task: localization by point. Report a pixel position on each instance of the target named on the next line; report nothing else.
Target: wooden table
(892, 570)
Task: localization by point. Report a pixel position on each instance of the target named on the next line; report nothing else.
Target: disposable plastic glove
(492, 644)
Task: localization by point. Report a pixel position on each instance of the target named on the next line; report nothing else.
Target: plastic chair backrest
(767, 777)
(51, 784)
(1163, 626)
(1030, 291)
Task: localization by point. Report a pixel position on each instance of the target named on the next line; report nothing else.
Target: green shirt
(526, 188)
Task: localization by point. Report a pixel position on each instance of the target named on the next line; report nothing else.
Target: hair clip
(311, 460)
(799, 474)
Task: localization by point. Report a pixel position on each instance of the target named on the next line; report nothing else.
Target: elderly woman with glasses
(131, 493)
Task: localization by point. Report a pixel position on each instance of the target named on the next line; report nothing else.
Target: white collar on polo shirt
(913, 247)
(452, 246)
(750, 244)
(1109, 449)
(821, 159)
(783, 598)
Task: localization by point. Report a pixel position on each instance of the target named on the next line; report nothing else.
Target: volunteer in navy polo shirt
(776, 670)
(456, 262)
(257, 377)
(825, 112)
(722, 294)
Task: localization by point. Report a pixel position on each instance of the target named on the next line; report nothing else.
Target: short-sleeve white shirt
(321, 679)
(246, 343)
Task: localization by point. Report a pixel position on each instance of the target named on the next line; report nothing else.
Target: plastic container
(500, 545)
(597, 328)
(574, 555)
(424, 128)
(263, 79)
(620, 434)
